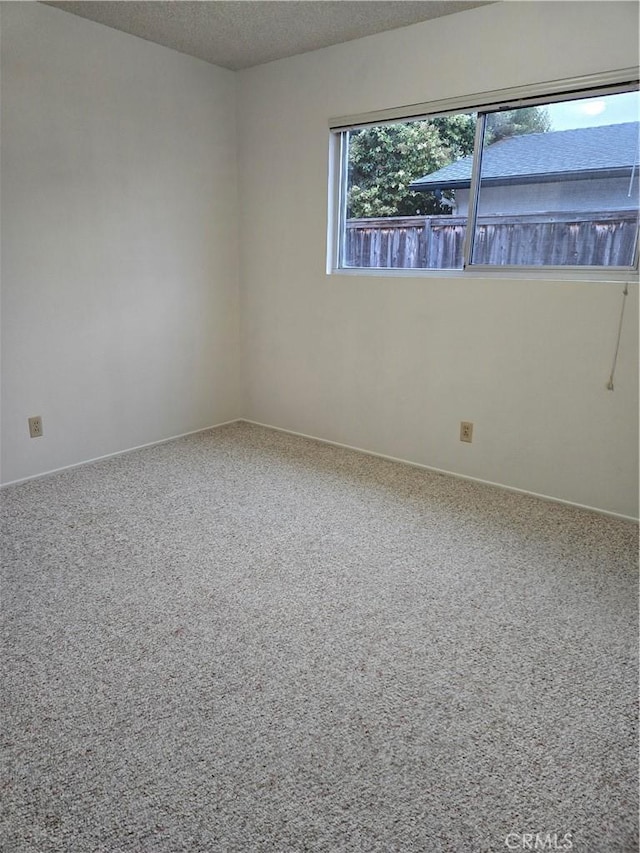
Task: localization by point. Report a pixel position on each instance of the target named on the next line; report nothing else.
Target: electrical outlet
(466, 431)
(35, 426)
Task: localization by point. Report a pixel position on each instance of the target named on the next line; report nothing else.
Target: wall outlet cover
(466, 431)
(35, 426)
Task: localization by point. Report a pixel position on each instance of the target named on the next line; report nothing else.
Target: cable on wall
(625, 293)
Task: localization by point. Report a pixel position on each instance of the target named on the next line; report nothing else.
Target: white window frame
(607, 83)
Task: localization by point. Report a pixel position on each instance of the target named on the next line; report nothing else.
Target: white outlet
(35, 426)
(466, 431)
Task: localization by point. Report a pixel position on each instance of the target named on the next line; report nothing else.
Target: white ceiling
(239, 34)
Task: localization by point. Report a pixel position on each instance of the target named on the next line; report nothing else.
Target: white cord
(633, 172)
(625, 293)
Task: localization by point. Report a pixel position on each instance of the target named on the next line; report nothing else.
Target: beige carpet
(246, 641)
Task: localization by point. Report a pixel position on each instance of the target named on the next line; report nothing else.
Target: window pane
(397, 214)
(559, 184)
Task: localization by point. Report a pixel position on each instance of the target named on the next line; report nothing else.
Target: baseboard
(430, 468)
(116, 453)
(386, 456)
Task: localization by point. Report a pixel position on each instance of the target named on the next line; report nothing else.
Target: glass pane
(559, 184)
(398, 214)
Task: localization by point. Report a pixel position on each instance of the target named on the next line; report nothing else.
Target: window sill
(603, 276)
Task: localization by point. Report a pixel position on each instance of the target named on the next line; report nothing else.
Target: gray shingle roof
(556, 155)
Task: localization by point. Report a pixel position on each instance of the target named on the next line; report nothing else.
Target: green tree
(515, 123)
(385, 159)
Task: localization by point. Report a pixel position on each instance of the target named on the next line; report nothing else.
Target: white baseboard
(334, 444)
(447, 473)
(116, 453)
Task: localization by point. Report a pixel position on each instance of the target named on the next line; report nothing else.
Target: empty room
(319, 426)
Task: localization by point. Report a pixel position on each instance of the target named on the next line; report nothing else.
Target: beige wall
(393, 364)
(119, 241)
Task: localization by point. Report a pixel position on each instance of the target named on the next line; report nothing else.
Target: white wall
(120, 312)
(597, 194)
(119, 241)
(393, 364)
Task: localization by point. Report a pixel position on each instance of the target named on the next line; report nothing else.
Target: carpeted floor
(247, 641)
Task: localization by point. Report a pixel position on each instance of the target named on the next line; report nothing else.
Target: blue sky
(590, 112)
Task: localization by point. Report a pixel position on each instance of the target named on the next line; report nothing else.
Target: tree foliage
(385, 159)
(516, 122)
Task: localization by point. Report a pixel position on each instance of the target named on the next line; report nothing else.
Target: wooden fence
(435, 242)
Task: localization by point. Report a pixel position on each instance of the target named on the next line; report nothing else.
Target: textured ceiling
(241, 33)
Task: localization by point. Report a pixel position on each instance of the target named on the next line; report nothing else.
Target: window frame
(607, 83)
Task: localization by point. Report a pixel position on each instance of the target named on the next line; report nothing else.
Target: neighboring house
(587, 169)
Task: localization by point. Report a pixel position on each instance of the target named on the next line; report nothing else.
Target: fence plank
(435, 242)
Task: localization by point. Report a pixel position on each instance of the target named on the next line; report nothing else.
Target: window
(547, 182)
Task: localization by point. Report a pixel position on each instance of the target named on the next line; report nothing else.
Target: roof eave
(507, 180)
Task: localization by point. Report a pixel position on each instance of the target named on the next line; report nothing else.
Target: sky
(590, 112)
